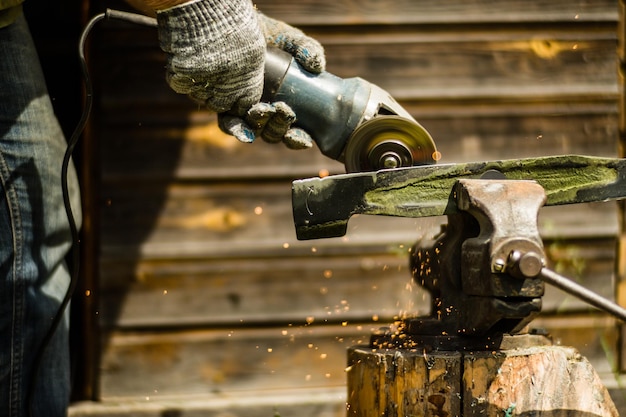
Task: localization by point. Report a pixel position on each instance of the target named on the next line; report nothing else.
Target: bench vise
(486, 269)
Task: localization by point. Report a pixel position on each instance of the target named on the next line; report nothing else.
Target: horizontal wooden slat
(419, 64)
(232, 220)
(483, 65)
(237, 219)
(321, 290)
(253, 292)
(201, 152)
(490, 137)
(227, 362)
(347, 12)
(344, 13)
(178, 279)
(328, 402)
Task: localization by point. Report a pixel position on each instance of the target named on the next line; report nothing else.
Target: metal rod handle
(583, 293)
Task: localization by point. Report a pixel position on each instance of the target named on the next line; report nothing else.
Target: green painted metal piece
(323, 206)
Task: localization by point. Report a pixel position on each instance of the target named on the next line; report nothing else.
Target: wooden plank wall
(621, 243)
(202, 287)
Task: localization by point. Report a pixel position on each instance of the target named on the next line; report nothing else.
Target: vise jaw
(472, 269)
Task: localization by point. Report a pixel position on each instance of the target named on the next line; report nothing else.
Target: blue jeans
(34, 233)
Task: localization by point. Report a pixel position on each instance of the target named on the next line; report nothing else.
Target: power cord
(74, 255)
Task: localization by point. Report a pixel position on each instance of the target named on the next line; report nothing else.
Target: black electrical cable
(74, 255)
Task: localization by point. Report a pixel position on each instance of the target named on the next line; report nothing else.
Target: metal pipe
(583, 293)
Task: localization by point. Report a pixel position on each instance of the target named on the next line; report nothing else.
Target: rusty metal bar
(583, 293)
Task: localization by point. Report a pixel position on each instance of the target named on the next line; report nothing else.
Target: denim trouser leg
(34, 233)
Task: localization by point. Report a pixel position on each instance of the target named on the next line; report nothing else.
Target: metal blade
(323, 206)
(386, 142)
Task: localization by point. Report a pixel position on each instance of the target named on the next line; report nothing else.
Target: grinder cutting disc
(386, 142)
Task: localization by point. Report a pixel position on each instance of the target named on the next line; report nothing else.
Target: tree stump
(538, 381)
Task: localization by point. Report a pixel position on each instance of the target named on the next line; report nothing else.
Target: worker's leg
(34, 233)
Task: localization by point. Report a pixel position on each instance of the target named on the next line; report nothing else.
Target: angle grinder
(351, 120)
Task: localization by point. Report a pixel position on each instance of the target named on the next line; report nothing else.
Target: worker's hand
(273, 121)
(215, 52)
(307, 51)
(216, 55)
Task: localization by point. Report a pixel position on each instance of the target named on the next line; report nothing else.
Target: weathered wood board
(447, 12)
(309, 402)
(200, 151)
(257, 292)
(227, 360)
(325, 288)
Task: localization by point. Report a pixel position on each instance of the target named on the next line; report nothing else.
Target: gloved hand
(216, 51)
(273, 121)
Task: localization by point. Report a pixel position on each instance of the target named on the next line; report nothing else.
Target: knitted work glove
(273, 121)
(307, 51)
(215, 53)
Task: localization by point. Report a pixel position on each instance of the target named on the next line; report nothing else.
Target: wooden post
(536, 381)
(403, 382)
(620, 271)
